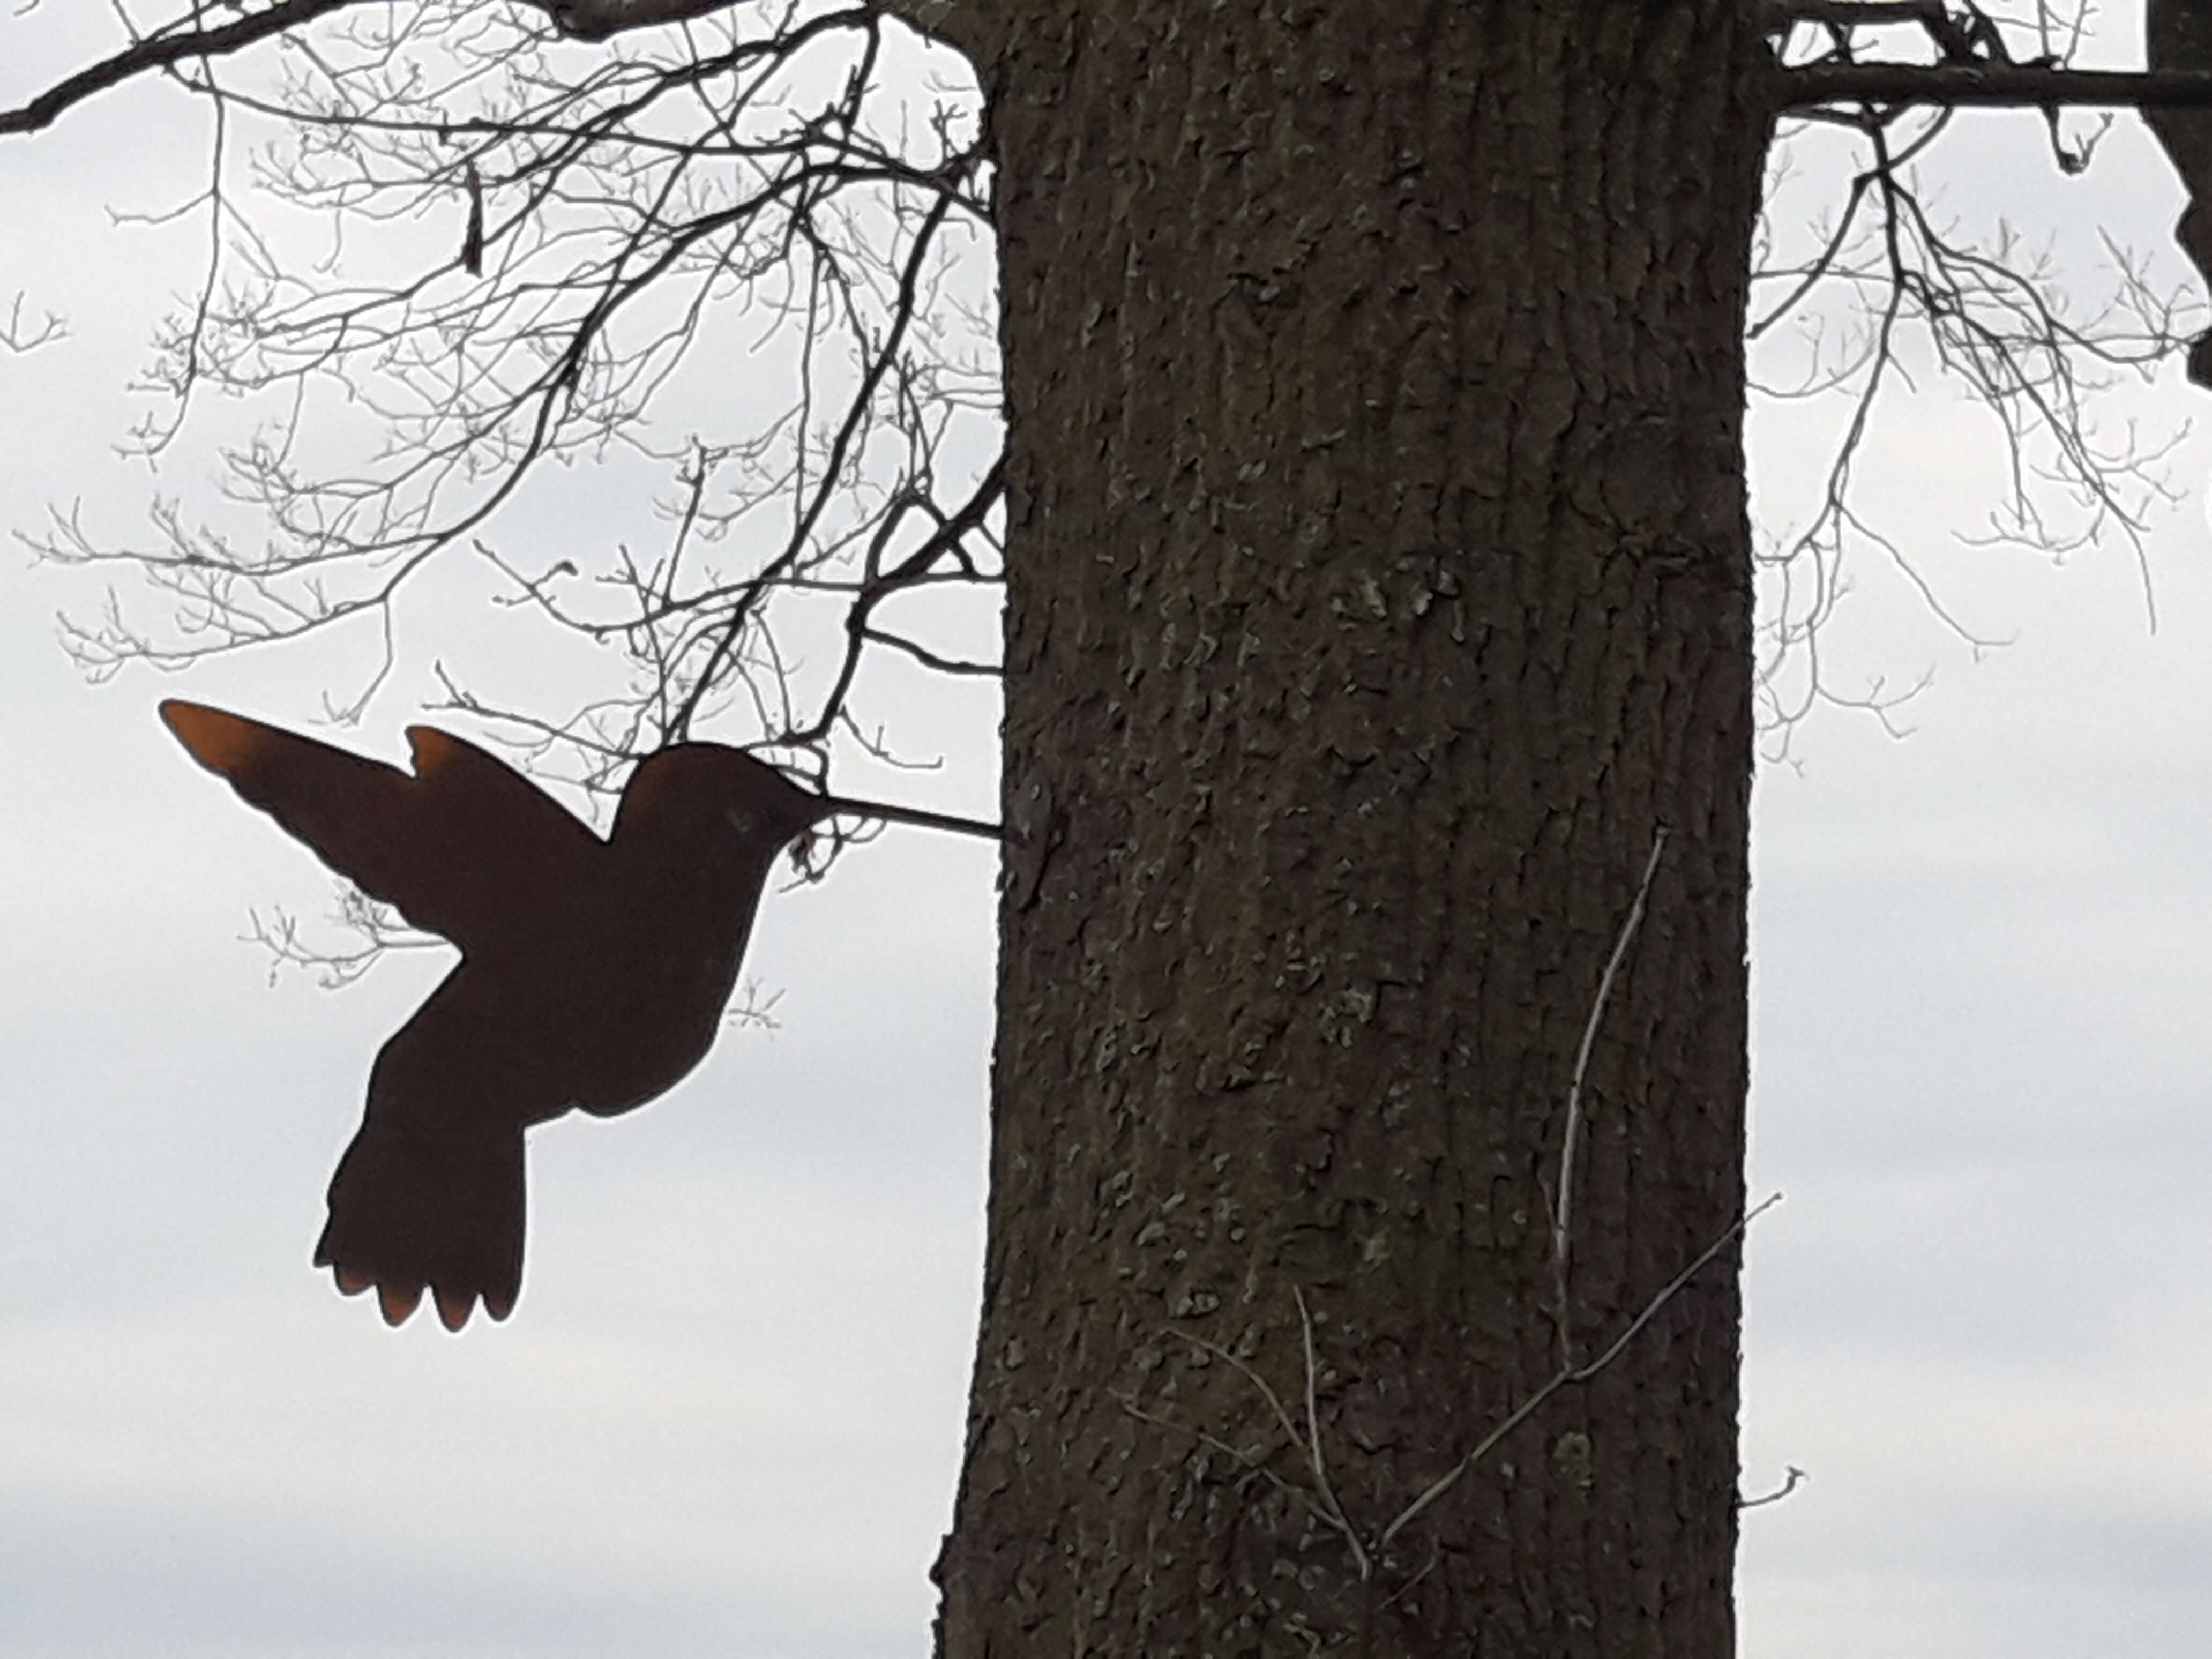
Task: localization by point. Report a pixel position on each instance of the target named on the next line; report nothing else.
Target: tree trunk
(2177, 35)
(1379, 586)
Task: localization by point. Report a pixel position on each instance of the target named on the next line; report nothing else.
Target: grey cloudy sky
(1983, 1075)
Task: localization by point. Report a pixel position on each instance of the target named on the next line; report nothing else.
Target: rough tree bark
(1379, 586)
(2178, 34)
(1378, 595)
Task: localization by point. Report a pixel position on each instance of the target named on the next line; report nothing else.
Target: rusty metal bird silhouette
(593, 974)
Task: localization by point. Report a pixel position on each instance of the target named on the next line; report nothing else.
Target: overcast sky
(1982, 1074)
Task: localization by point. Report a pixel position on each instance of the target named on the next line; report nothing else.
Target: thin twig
(1792, 1476)
(1567, 1374)
(1129, 1405)
(1324, 1504)
(1564, 1202)
(1313, 1441)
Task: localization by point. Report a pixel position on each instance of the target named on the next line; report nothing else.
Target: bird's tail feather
(410, 1212)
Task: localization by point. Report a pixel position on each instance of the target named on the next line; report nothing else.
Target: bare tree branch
(1990, 85)
(1882, 291)
(736, 265)
(602, 20)
(173, 44)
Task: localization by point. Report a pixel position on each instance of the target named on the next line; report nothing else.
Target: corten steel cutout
(593, 974)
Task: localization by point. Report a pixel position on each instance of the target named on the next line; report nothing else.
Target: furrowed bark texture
(1379, 584)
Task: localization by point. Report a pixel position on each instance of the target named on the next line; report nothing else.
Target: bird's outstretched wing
(465, 846)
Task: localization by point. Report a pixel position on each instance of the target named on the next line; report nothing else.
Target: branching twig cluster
(1970, 34)
(376, 927)
(735, 268)
(1884, 286)
(664, 226)
(1370, 1545)
(19, 334)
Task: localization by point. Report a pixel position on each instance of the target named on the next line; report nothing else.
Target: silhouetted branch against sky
(187, 38)
(1868, 282)
(796, 192)
(637, 181)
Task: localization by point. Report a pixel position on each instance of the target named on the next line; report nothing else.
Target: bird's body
(593, 974)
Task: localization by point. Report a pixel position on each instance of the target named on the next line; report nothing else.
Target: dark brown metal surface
(593, 974)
